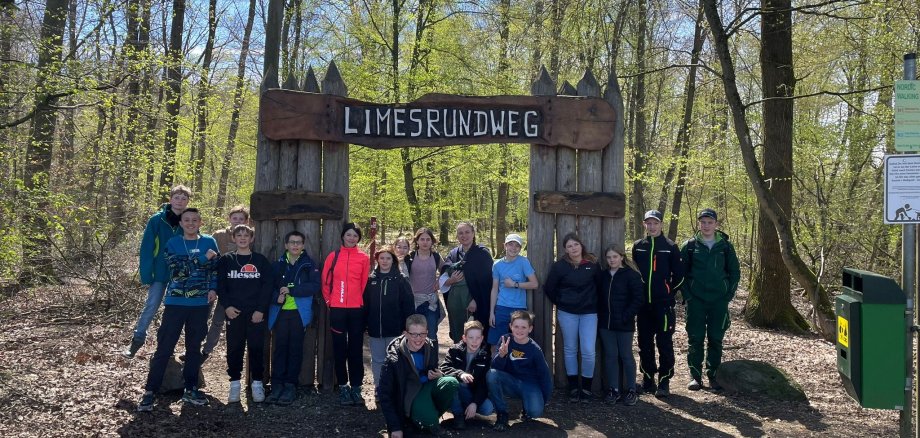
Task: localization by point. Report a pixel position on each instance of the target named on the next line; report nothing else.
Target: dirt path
(60, 375)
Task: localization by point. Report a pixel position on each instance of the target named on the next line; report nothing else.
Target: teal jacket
(711, 274)
(162, 226)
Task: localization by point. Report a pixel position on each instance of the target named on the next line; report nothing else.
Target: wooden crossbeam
(601, 204)
(296, 205)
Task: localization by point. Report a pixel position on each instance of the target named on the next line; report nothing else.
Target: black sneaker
(631, 398)
(194, 397)
(694, 385)
(714, 384)
(663, 390)
(612, 397)
(459, 422)
(345, 396)
(648, 386)
(132, 348)
(147, 401)
(288, 394)
(275, 394)
(574, 395)
(501, 422)
(586, 396)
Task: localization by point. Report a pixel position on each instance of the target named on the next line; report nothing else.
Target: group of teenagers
(395, 297)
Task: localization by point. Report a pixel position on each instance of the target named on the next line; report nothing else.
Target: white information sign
(907, 116)
(902, 189)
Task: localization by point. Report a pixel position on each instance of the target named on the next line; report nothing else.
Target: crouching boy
(519, 371)
(468, 361)
(413, 390)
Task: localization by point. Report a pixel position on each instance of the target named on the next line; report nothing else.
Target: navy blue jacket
(304, 276)
(573, 289)
(619, 299)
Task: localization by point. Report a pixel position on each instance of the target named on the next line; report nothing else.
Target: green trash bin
(870, 339)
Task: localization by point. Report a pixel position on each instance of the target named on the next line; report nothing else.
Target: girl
(423, 264)
(619, 288)
(345, 274)
(571, 286)
(387, 303)
(401, 247)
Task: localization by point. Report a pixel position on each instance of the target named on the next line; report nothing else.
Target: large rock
(172, 379)
(761, 378)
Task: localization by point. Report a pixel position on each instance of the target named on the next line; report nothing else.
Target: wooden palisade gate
(303, 183)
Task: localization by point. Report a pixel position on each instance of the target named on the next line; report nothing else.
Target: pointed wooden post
(309, 170)
(287, 170)
(540, 227)
(614, 230)
(335, 180)
(589, 175)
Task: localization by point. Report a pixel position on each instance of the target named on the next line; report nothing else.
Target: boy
(658, 260)
(413, 390)
(162, 226)
(225, 244)
(512, 276)
(468, 362)
(713, 273)
(519, 370)
(244, 286)
(297, 279)
(191, 258)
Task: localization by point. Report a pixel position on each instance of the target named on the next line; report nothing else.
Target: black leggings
(347, 326)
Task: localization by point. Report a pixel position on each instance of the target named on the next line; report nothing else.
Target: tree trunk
(824, 318)
(204, 92)
(639, 147)
(36, 264)
(683, 135)
(235, 115)
(173, 94)
(501, 210)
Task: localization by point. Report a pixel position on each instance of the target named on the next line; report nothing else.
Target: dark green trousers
(433, 399)
(705, 321)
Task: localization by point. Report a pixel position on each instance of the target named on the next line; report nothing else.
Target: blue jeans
(464, 398)
(579, 331)
(431, 317)
(154, 298)
(617, 347)
(503, 384)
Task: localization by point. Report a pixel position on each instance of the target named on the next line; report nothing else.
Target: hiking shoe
(574, 395)
(612, 397)
(147, 400)
(714, 384)
(258, 391)
(356, 398)
(459, 422)
(631, 398)
(648, 386)
(275, 394)
(586, 396)
(288, 394)
(662, 391)
(234, 396)
(501, 422)
(345, 396)
(132, 348)
(694, 385)
(194, 397)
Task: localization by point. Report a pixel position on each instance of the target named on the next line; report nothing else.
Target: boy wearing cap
(658, 260)
(713, 274)
(512, 276)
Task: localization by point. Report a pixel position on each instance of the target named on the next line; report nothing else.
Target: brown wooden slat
(601, 204)
(296, 205)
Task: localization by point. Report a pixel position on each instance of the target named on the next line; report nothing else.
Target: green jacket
(711, 274)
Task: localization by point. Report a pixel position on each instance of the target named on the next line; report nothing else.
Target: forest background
(104, 104)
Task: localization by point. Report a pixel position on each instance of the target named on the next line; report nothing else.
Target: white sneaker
(234, 396)
(258, 391)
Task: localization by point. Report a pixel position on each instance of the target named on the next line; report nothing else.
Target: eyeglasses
(417, 335)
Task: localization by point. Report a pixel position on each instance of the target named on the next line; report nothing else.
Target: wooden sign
(612, 205)
(438, 120)
(295, 205)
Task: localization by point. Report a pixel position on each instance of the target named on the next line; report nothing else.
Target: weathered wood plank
(595, 204)
(296, 205)
(438, 120)
(614, 229)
